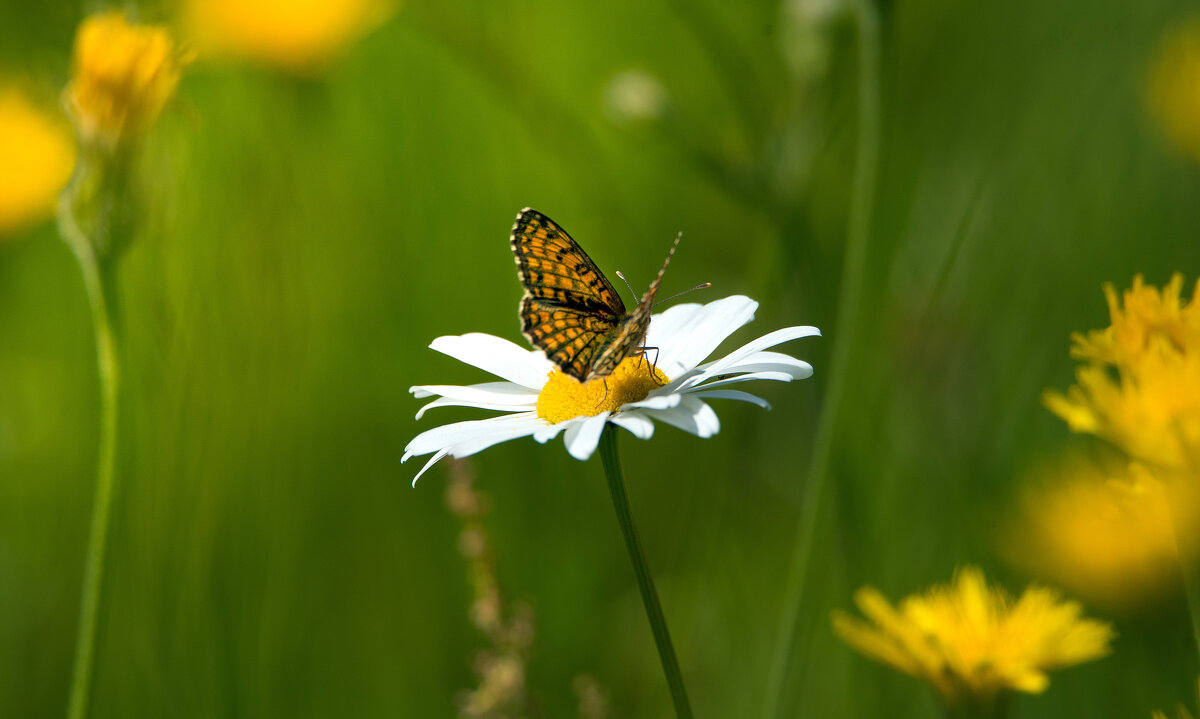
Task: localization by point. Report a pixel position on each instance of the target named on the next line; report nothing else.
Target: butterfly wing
(569, 308)
(570, 338)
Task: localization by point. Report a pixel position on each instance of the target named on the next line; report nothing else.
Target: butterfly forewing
(555, 269)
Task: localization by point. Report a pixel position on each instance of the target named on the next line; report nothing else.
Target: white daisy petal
(692, 416)
(684, 344)
(726, 379)
(498, 356)
(509, 426)
(492, 395)
(734, 394)
(549, 432)
(480, 442)
(771, 361)
(581, 439)
(477, 405)
(770, 339)
(636, 422)
(665, 327)
(432, 461)
(657, 401)
(484, 392)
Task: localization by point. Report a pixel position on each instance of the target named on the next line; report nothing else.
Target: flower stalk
(106, 366)
(658, 624)
(123, 75)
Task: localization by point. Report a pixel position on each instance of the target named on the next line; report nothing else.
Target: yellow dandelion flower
(1104, 534)
(1140, 388)
(296, 35)
(973, 642)
(36, 158)
(1174, 87)
(123, 76)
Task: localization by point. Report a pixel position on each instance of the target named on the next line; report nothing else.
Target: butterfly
(570, 310)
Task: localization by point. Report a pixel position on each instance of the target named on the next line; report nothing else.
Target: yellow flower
(123, 75)
(1140, 388)
(1105, 535)
(296, 35)
(1174, 87)
(972, 642)
(36, 157)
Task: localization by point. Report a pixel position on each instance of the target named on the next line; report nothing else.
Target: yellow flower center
(564, 397)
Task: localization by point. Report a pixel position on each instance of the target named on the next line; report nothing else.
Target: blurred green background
(309, 236)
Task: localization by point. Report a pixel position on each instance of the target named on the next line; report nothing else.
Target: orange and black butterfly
(570, 310)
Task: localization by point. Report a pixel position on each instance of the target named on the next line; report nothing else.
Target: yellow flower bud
(123, 75)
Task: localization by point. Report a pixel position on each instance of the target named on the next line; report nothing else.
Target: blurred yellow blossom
(1140, 388)
(296, 35)
(1103, 534)
(1174, 87)
(36, 158)
(122, 77)
(971, 642)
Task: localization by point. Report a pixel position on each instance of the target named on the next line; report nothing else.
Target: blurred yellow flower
(36, 158)
(972, 642)
(296, 35)
(1104, 535)
(122, 77)
(1140, 388)
(1174, 87)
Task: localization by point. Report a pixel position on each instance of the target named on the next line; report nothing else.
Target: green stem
(106, 365)
(850, 301)
(658, 624)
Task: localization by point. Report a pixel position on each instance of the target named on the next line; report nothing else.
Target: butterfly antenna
(622, 276)
(666, 262)
(701, 286)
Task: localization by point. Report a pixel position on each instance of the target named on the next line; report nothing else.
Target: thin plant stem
(106, 365)
(658, 624)
(849, 311)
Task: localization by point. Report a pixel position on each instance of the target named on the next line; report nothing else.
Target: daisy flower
(670, 383)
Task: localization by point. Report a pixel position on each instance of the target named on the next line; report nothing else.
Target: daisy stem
(106, 365)
(658, 624)
(850, 300)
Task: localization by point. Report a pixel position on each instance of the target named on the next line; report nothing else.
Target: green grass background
(308, 238)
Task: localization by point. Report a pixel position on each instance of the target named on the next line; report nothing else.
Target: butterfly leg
(654, 365)
(605, 380)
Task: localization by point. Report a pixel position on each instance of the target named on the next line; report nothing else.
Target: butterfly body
(570, 310)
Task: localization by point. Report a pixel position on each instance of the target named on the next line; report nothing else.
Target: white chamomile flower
(539, 401)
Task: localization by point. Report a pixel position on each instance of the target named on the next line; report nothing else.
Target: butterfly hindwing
(570, 338)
